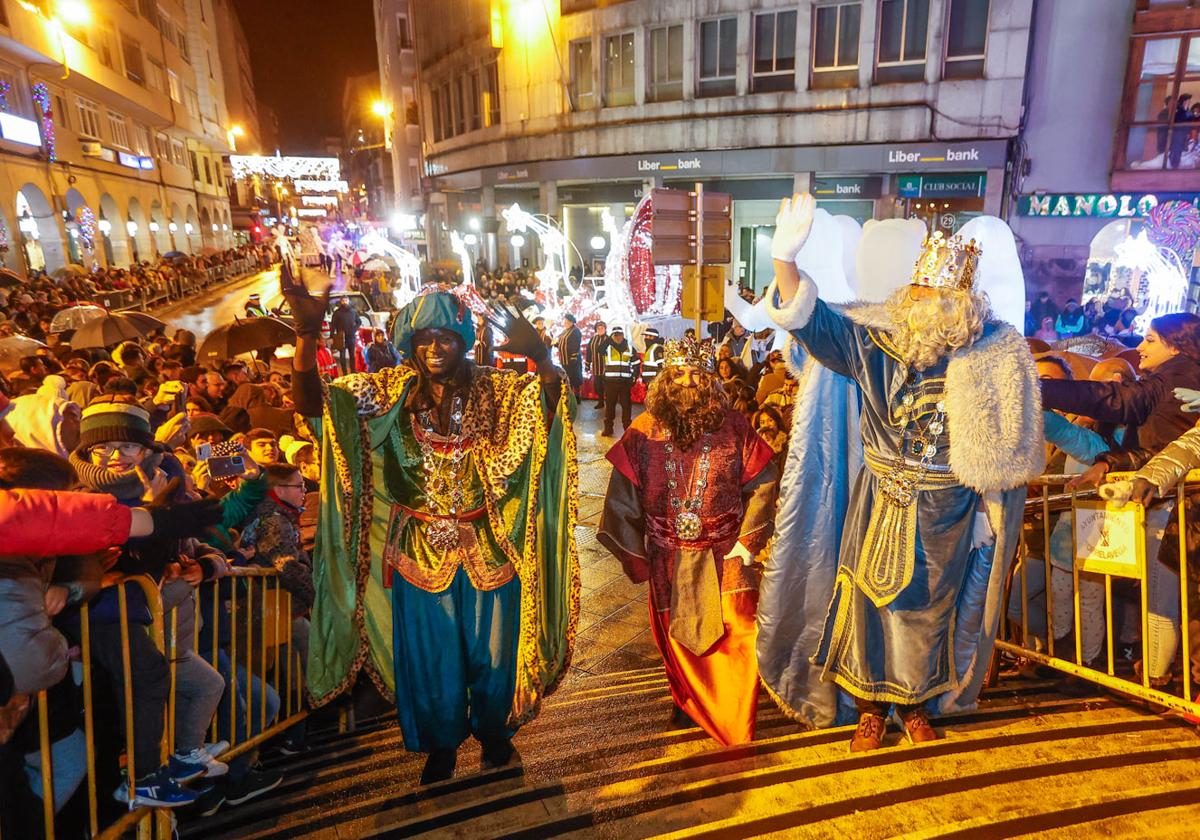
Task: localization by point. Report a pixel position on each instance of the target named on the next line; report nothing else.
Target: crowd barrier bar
(274, 631)
(1043, 506)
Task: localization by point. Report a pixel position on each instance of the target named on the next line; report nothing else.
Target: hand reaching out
(523, 339)
(308, 310)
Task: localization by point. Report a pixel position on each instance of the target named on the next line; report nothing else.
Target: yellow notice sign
(713, 292)
(1110, 539)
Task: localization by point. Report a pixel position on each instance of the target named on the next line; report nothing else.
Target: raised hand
(1189, 398)
(792, 225)
(308, 311)
(523, 338)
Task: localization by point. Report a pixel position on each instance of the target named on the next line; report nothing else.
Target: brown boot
(869, 734)
(917, 728)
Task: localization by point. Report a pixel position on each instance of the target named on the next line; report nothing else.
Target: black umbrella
(146, 323)
(10, 278)
(111, 329)
(170, 255)
(244, 336)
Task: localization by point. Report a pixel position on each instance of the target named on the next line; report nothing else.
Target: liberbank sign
(741, 163)
(1097, 205)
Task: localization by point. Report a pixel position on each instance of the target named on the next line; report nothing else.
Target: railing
(1109, 543)
(259, 644)
(187, 283)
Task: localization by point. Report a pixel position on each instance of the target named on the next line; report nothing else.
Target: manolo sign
(1088, 205)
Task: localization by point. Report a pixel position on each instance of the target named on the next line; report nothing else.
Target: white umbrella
(375, 264)
(13, 348)
(74, 317)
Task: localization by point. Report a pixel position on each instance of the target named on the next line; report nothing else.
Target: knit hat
(204, 423)
(114, 418)
(433, 311)
(292, 447)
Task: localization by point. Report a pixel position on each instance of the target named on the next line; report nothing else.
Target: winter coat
(275, 533)
(381, 355)
(1147, 406)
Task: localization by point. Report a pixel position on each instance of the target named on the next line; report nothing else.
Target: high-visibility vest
(618, 363)
(652, 361)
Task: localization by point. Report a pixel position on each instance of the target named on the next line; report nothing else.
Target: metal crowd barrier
(1108, 543)
(261, 609)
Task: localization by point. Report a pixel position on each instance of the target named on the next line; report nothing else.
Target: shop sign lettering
(1097, 205)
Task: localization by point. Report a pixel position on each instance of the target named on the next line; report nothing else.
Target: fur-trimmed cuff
(796, 314)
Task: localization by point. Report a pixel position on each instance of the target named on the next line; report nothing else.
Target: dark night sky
(301, 52)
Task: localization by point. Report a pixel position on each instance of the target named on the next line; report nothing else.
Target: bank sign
(1097, 205)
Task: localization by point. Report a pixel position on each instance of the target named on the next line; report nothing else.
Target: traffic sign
(676, 221)
(712, 292)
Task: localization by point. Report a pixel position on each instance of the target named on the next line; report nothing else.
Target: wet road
(220, 304)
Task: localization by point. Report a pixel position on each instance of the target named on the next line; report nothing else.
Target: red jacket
(44, 523)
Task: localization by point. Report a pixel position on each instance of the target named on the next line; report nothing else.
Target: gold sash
(885, 564)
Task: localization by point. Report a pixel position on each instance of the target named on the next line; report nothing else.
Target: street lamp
(171, 226)
(74, 12)
(380, 108)
(131, 227)
(235, 131)
(105, 226)
(598, 242)
(154, 228)
(473, 223)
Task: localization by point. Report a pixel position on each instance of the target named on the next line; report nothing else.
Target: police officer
(619, 371)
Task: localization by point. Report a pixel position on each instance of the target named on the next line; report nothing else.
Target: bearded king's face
(929, 323)
(689, 401)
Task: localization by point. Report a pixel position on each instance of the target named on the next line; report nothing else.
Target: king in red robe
(689, 506)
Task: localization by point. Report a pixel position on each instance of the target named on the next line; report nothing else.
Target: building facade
(881, 107)
(366, 159)
(113, 128)
(399, 90)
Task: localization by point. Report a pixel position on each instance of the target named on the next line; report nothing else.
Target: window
(173, 85)
(666, 64)
(207, 171)
(60, 112)
(106, 47)
(473, 101)
(14, 100)
(162, 147)
(412, 115)
(583, 90)
(718, 57)
(458, 92)
(191, 101)
(135, 67)
(966, 39)
(618, 69)
(448, 110)
(403, 33)
(89, 117)
(147, 8)
(903, 26)
(119, 129)
(435, 107)
(177, 153)
(181, 42)
(835, 45)
(166, 26)
(491, 75)
(155, 76)
(774, 51)
(141, 139)
(195, 165)
(1160, 116)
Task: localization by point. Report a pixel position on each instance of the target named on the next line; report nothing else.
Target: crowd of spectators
(1111, 317)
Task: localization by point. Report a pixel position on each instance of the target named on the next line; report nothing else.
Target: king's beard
(688, 413)
(926, 330)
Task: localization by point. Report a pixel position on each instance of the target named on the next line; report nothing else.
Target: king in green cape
(445, 563)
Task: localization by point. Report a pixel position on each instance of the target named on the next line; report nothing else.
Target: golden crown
(686, 352)
(947, 263)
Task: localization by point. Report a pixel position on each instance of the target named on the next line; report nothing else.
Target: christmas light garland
(87, 228)
(41, 98)
(5, 90)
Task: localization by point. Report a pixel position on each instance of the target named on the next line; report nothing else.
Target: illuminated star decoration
(554, 247)
(5, 90)
(41, 98)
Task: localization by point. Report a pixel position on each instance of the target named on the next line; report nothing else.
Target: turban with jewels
(433, 311)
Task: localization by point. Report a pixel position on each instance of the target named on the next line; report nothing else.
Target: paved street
(221, 303)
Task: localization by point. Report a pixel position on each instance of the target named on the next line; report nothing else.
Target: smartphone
(204, 452)
(226, 466)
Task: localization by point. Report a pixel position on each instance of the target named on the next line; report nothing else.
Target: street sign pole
(699, 257)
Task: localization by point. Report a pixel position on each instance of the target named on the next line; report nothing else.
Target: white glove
(1118, 491)
(792, 225)
(1189, 398)
(742, 553)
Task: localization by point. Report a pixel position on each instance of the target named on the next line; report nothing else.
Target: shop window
(774, 51)
(666, 63)
(966, 39)
(491, 74)
(1163, 117)
(119, 129)
(903, 31)
(583, 95)
(135, 65)
(835, 45)
(89, 117)
(618, 69)
(718, 57)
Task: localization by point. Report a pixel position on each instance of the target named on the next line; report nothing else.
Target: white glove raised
(1189, 398)
(792, 224)
(1117, 491)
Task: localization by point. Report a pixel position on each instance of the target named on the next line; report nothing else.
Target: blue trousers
(456, 661)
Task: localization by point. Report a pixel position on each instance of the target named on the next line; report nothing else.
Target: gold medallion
(688, 526)
(442, 534)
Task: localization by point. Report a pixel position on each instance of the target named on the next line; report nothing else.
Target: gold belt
(888, 555)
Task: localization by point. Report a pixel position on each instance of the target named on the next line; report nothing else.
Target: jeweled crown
(687, 352)
(947, 263)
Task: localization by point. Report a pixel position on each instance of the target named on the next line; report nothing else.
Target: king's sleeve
(622, 522)
(760, 485)
(829, 336)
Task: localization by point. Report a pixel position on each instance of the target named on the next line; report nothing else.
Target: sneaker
(210, 800)
(917, 728)
(217, 749)
(293, 748)
(156, 790)
(192, 765)
(869, 734)
(255, 783)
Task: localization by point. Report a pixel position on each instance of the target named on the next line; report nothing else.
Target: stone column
(487, 208)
